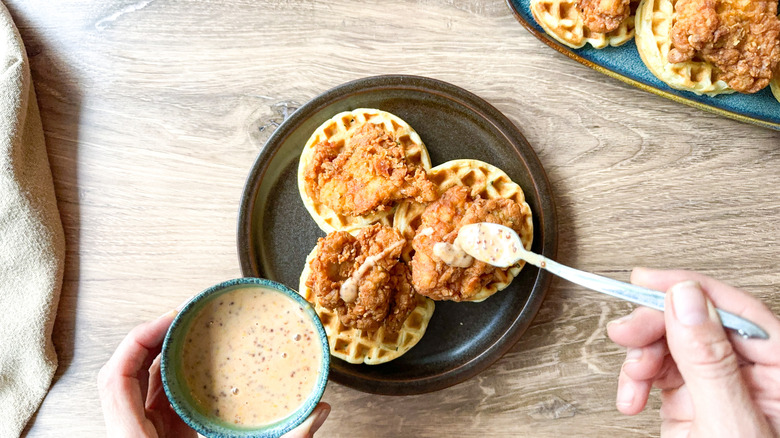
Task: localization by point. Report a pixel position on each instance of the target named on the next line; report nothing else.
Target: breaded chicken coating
(440, 222)
(383, 294)
(741, 38)
(603, 15)
(368, 173)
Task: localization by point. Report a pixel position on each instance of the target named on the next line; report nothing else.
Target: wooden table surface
(154, 111)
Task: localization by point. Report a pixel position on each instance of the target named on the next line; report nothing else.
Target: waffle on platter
(562, 21)
(338, 130)
(485, 181)
(654, 19)
(775, 85)
(359, 346)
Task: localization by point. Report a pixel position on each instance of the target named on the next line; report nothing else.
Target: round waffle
(359, 346)
(775, 85)
(485, 181)
(336, 130)
(562, 21)
(654, 20)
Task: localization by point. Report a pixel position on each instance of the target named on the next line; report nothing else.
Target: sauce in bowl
(251, 357)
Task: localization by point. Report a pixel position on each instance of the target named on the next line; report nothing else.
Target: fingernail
(319, 419)
(633, 355)
(619, 321)
(170, 314)
(625, 395)
(689, 303)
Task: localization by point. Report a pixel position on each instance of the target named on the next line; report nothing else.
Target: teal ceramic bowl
(176, 388)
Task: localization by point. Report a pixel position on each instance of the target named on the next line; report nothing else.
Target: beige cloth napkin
(32, 244)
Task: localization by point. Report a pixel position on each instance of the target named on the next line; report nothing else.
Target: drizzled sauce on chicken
(361, 278)
(437, 270)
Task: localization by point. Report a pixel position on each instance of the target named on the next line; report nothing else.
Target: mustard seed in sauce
(224, 350)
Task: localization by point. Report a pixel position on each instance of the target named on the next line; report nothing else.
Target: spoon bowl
(500, 246)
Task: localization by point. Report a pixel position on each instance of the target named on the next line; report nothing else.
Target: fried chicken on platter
(440, 222)
(368, 173)
(741, 38)
(603, 15)
(381, 293)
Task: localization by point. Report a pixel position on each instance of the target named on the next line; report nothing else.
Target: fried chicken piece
(384, 294)
(741, 38)
(603, 15)
(369, 173)
(441, 221)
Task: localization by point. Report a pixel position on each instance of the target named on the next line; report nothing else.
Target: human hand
(132, 396)
(713, 383)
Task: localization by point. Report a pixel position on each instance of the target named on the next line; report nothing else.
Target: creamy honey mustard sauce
(251, 357)
(494, 246)
(349, 288)
(452, 255)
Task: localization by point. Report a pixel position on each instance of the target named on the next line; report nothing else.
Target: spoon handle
(639, 295)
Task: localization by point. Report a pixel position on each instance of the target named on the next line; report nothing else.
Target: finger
(312, 424)
(764, 384)
(708, 364)
(730, 299)
(168, 424)
(159, 410)
(669, 377)
(763, 381)
(175, 426)
(134, 352)
(155, 396)
(120, 390)
(676, 429)
(631, 394)
(645, 363)
(676, 404)
(641, 327)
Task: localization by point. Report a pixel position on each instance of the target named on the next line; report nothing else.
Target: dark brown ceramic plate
(275, 232)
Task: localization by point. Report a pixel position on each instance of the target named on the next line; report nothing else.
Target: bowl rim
(202, 423)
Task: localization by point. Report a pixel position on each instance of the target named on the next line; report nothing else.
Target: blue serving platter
(624, 63)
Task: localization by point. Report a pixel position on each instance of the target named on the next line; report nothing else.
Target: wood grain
(154, 111)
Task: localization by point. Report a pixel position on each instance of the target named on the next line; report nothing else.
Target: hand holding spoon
(500, 246)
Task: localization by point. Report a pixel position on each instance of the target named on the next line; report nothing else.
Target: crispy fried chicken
(441, 221)
(369, 173)
(384, 294)
(603, 15)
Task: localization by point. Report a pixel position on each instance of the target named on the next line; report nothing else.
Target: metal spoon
(500, 246)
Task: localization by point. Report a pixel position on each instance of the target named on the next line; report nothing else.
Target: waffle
(775, 85)
(336, 130)
(562, 21)
(358, 346)
(485, 181)
(653, 25)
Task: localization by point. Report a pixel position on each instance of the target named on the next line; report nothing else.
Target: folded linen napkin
(32, 244)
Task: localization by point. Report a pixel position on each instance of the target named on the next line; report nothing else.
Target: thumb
(708, 364)
(312, 424)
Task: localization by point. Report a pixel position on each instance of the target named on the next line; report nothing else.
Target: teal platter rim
(175, 387)
(624, 63)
